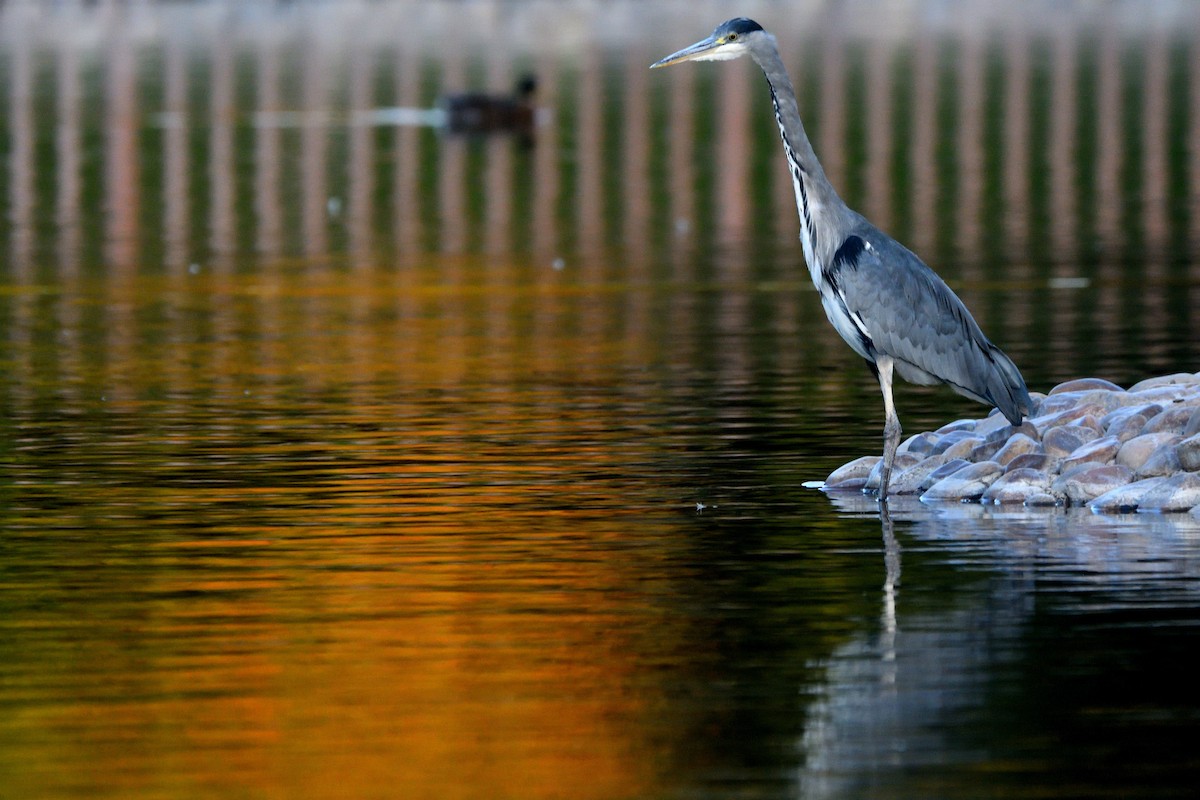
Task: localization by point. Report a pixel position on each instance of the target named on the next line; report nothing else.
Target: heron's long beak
(688, 53)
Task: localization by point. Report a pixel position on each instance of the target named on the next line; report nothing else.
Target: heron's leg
(891, 425)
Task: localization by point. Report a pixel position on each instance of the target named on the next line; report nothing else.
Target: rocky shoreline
(1087, 443)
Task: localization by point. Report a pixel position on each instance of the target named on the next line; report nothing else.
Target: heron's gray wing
(910, 314)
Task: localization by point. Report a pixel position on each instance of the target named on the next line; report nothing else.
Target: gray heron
(891, 308)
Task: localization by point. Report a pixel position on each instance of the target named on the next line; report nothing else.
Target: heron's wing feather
(910, 314)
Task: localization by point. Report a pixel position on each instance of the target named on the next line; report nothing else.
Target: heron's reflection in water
(898, 703)
(891, 584)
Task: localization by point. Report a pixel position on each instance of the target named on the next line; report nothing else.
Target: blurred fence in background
(153, 133)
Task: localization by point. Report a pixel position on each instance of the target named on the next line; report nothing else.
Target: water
(356, 460)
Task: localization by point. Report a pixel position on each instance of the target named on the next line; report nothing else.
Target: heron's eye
(731, 37)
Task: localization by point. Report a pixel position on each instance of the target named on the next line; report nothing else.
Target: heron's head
(730, 40)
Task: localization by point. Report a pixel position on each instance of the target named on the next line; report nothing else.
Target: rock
(1058, 404)
(1088, 440)
(1188, 453)
(1080, 384)
(922, 443)
(902, 462)
(1178, 379)
(990, 425)
(1127, 427)
(948, 439)
(1017, 486)
(910, 480)
(1176, 493)
(1165, 395)
(957, 425)
(946, 469)
(1020, 444)
(1066, 439)
(1193, 424)
(852, 475)
(962, 448)
(1045, 422)
(1038, 461)
(1101, 451)
(985, 451)
(1089, 481)
(1035, 402)
(1088, 421)
(1104, 399)
(1134, 452)
(1145, 409)
(1123, 498)
(968, 483)
(1173, 419)
(1163, 461)
(1004, 434)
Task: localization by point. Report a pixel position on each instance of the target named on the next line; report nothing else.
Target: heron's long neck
(823, 215)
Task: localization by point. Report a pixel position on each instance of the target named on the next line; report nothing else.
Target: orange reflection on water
(442, 618)
(403, 638)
